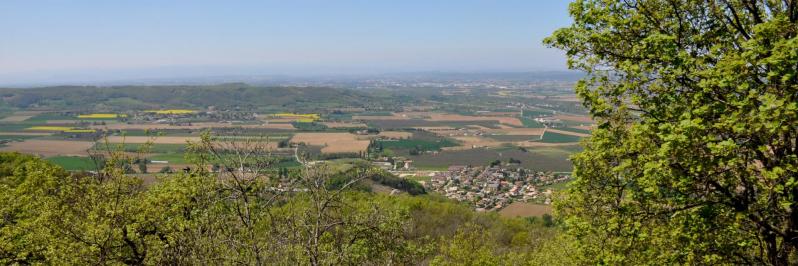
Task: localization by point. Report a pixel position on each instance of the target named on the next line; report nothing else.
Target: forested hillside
(51, 216)
(123, 98)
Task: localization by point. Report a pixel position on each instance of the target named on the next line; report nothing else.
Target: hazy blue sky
(51, 37)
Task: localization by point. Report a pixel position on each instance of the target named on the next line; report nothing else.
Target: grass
(550, 137)
(73, 163)
(172, 158)
(424, 145)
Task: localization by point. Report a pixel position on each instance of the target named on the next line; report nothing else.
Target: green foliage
(54, 217)
(309, 126)
(694, 159)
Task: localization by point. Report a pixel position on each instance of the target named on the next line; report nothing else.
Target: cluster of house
(493, 188)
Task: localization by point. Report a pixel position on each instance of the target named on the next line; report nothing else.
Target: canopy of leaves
(696, 156)
(50, 216)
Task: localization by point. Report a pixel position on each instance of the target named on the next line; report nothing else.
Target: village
(494, 187)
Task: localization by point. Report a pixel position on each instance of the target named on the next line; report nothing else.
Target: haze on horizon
(77, 41)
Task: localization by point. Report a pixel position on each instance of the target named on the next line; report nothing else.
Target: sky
(143, 38)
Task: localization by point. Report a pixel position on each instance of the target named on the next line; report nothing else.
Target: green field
(154, 148)
(41, 118)
(74, 163)
(513, 137)
(539, 158)
(11, 137)
(425, 145)
(531, 123)
(556, 186)
(172, 158)
(536, 113)
(550, 137)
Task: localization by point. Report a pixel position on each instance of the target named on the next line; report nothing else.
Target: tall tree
(695, 159)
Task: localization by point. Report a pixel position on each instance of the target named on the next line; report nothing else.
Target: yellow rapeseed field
(299, 117)
(48, 128)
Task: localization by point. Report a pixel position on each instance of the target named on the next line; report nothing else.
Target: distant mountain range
(116, 79)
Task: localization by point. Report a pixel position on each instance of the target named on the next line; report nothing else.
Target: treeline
(51, 216)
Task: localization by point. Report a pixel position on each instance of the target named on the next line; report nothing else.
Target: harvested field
(343, 125)
(272, 126)
(433, 129)
(517, 131)
(524, 209)
(512, 121)
(29, 112)
(476, 142)
(499, 113)
(332, 142)
(15, 118)
(48, 148)
(575, 118)
(419, 123)
(378, 117)
(570, 133)
(570, 98)
(155, 140)
(478, 127)
(122, 126)
(25, 134)
(513, 138)
(529, 144)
